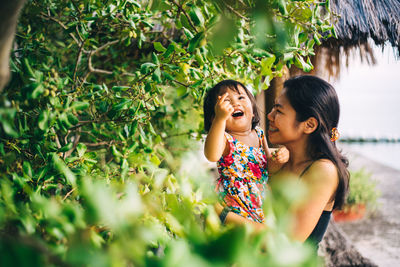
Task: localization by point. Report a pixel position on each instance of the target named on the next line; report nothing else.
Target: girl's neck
(241, 133)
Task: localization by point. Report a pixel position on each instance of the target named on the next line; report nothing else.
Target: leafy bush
(362, 189)
(102, 111)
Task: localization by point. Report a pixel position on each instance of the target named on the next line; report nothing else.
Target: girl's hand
(223, 107)
(281, 155)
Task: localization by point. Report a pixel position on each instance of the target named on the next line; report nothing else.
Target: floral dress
(243, 177)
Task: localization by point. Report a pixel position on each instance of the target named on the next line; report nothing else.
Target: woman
(304, 119)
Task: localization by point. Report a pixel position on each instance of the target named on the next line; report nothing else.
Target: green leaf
(61, 167)
(115, 152)
(43, 120)
(169, 51)
(266, 65)
(7, 116)
(120, 88)
(145, 67)
(81, 149)
(155, 160)
(194, 43)
(64, 120)
(79, 105)
(316, 39)
(122, 105)
(333, 31)
(196, 16)
(287, 56)
(37, 91)
(27, 168)
(155, 59)
(282, 7)
(184, 21)
(159, 47)
(66, 147)
(300, 63)
(72, 119)
(157, 75)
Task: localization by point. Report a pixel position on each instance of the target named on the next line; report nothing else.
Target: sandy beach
(377, 237)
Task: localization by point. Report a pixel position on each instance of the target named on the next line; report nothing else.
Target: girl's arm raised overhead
(215, 145)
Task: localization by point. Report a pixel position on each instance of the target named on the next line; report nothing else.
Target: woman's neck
(298, 157)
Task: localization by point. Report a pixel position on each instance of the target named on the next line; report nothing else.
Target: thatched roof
(363, 19)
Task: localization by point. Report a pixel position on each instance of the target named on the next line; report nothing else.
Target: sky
(370, 96)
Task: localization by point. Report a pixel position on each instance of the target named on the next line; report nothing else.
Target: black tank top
(319, 230)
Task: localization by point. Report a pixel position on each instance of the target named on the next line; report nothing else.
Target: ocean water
(370, 106)
(385, 153)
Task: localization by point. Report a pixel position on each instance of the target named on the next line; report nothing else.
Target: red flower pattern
(255, 169)
(253, 200)
(228, 159)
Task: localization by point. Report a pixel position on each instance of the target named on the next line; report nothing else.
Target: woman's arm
(233, 218)
(322, 181)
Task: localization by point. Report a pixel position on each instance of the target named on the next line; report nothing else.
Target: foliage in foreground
(101, 112)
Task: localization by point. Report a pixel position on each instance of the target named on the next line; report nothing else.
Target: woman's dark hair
(311, 96)
(211, 99)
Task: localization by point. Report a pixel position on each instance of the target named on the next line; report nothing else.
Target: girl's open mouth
(237, 114)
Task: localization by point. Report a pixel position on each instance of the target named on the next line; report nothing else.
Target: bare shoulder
(323, 170)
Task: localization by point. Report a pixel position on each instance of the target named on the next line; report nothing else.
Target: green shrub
(362, 189)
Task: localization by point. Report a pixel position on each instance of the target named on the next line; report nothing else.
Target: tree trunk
(9, 15)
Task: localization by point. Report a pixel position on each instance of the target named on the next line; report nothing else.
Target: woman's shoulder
(323, 168)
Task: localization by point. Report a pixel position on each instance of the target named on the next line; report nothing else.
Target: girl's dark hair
(211, 99)
(311, 96)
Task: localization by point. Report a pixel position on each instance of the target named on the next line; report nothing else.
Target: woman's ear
(311, 125)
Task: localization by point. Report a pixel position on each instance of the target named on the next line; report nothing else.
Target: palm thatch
(358, 22)
(363, 19)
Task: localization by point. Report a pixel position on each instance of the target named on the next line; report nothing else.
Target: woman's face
(283, 126)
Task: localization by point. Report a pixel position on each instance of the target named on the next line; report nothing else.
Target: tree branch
(186, 15)
(104, 143)
(47, 17)
(178, 82)
(78, 60)
(76, 141)
(101, 71)
(235, 12)
(56, 136)
(68, 194)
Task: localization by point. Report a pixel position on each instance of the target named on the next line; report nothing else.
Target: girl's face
(241, 118)
(283, 126)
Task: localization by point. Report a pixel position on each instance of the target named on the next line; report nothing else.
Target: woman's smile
(272, 129)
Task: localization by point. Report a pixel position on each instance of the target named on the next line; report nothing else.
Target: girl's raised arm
(215, 145)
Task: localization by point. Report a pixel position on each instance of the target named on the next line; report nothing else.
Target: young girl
(240, 149)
